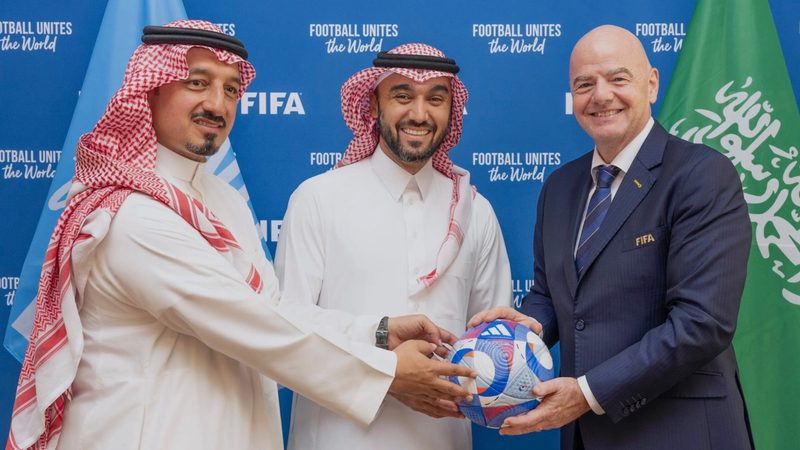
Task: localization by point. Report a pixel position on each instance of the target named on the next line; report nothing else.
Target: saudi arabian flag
(731, 91)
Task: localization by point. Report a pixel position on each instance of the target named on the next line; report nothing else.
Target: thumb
(476, 319)
(535, 326)
(447, 336)
(544, 389)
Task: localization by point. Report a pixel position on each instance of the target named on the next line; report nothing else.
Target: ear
(374, 110)
(652, 85)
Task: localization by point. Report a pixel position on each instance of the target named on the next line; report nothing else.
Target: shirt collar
(395, 179)
(624, 159)
(171, 164)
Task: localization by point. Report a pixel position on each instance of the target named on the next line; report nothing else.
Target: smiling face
(193, 117)
(413, 117)
(612, 87)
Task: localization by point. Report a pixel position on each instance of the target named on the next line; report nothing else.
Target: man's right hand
(418, 375)
(504, 312)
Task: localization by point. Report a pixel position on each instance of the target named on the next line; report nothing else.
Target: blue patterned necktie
(596, 212)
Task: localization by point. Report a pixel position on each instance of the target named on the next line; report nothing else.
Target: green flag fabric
(731, 91)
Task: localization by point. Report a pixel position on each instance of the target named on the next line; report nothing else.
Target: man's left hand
(562, 403)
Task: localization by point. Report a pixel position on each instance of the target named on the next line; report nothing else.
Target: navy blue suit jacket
(651, 318)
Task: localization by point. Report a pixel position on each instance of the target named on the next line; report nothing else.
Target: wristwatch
(382, 334)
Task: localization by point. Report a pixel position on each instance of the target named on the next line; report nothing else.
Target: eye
(195, 83)
(232, 91)
(582, 87)
(402, 97)
(436, 101)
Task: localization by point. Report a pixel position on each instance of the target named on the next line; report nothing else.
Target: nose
(602, 92)
(418, 112)
(214, 101)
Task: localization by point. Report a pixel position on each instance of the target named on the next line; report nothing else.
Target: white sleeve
(157, 262)
(300, 267)
(590, 399)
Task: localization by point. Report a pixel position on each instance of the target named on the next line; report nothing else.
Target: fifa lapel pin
(645, 239)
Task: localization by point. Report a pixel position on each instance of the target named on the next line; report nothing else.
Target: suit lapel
(634, 188)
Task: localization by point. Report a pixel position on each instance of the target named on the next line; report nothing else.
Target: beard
(208, 147)
(419, 153)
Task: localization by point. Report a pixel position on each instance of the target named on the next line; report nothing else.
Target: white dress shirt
(176, 342)
(353, 241)
(623, 161)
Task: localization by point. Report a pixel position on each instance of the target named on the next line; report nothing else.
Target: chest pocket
(650, 239)
(643, 258)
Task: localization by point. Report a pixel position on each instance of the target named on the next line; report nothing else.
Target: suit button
(580, 325)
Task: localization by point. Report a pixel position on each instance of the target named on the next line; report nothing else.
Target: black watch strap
(382, 334)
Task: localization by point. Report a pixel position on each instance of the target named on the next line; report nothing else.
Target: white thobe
(354, 240)
(176, 342)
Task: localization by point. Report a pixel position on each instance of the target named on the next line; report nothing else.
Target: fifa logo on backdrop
(272, 103)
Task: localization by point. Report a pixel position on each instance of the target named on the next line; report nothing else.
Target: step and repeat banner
(518, 126)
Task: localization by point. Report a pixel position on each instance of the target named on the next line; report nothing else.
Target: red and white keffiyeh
(357, 115)
(114, 160)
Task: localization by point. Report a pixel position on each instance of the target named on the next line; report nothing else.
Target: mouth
(606, 113)
(416, 132)
(208, 123)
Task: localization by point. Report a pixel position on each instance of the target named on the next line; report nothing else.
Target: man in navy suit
(640, 257)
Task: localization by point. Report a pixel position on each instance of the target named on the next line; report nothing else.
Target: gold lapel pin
(636, 182)
(645, 239)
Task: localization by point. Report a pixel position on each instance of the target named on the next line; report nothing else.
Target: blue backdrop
(514, 59)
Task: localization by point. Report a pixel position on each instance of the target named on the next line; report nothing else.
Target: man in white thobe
(156, 324)
(362, 240)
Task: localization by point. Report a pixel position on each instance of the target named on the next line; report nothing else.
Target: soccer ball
(510, 360)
